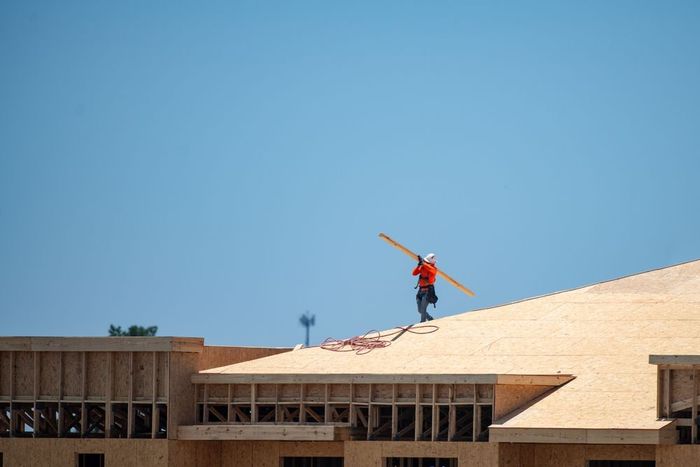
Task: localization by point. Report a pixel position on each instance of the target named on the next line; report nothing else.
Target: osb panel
(129, 453)
(479, 454)
(556, 455)
(419, 449)
(382, 392)
(266, 392)
(443, 392)
(97, 375)
(194, 454)
(237, 453)
(685, 455)
(510, 397)
(121, 377)
(681, 385)
(360, 392)
(289, 392)
(266, 454)
(143, 375)
(49, 376)
(311, 449)
(340, 392)
(5, 372)
(484, 392)
(241, 392)
(509, 455)
(217, 391)
(180, 408)
(314, 392)
(24, 374)
(362, 454)
(214, 356)
(464, 392)
(62, 452)
(426, 393)
(619, 452)
(548, 455)
(406, 392)
(162, 375)
(72, 375)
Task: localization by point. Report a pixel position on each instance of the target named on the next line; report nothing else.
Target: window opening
(613, 463)
(312, 462)
(91, 460)
(420, 462)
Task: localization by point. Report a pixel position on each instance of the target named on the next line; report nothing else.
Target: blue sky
(218, 168)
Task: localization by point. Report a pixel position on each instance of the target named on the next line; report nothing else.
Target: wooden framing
(501, 434)
(262, 432)
(70, 393)
(102, 344)
(677, 393)
(375, 411)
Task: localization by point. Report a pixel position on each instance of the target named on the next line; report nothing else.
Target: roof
(602, 334)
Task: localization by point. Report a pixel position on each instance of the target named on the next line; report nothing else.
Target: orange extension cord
(371, 340)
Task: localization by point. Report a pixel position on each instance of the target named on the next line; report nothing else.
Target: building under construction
(600, 376)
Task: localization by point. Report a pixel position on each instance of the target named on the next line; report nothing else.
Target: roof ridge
(550, 294)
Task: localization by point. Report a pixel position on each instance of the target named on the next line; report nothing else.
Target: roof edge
(663, 435)
(550, 294)
(102, 344)
(277, 378)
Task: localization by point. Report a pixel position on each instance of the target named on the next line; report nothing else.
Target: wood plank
(262, 432)
(500, 434)
(682, 360)
(418, 415)
(394, 412)
(130, 398)
(37, 378)
(279, 378)
(154, 396)
(108, 395)
(534, 380)
(694, 409)
(102, 344)
(666, 412)
(440, 273)
(83, 392)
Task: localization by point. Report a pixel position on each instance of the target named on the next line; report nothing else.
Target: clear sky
(218, 168)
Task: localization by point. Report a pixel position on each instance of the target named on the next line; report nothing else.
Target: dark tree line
(133, 330)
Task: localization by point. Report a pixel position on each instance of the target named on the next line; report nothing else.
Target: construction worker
(426, 272)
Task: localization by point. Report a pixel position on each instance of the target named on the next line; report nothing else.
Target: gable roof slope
(602, 334)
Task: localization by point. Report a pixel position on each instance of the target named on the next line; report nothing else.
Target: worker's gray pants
(422, 302)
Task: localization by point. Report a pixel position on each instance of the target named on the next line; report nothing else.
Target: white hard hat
(430, 258)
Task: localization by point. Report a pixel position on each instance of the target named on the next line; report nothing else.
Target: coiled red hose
(371, 340)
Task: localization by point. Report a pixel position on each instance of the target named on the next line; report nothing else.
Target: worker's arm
(417, 270)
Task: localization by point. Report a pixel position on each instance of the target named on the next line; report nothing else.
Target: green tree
(133, 330)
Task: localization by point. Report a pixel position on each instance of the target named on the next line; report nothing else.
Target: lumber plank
(413, 255)
(694, 409)
(261, 432)
(360, 378)
(102, 344)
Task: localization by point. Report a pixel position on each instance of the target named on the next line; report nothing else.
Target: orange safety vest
(427, 273)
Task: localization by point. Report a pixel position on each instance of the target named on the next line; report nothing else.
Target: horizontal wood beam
(683, 360)
(102, 344)
(663, 435)
(264, 432)
(278, 378)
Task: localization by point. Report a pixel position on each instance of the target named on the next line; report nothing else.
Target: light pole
(307, 321)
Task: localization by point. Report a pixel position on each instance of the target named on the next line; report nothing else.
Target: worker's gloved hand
(420, 260)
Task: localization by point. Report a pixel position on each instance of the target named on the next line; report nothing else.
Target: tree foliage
(133, 330)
